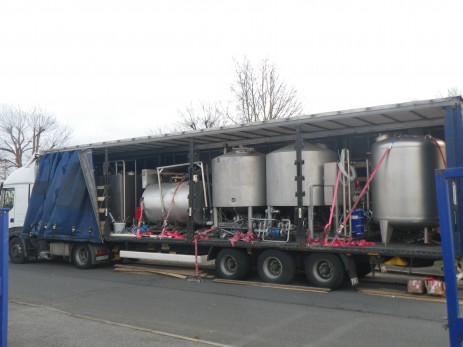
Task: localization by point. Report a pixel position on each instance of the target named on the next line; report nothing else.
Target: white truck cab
(15, 193)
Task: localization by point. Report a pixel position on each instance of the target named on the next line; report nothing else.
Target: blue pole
(4, 275)
(447, 228)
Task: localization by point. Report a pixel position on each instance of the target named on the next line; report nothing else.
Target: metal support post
(4, 275)
(299, 216)
(106, 230)
(190, 226)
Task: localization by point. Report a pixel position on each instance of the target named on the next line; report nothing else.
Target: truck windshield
(7, 198)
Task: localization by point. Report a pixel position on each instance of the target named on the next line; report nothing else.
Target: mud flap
(351, 269)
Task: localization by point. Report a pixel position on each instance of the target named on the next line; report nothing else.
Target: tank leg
(311, 226)
(386, 231)
(426, 235)
(216, 217)
(250, 218)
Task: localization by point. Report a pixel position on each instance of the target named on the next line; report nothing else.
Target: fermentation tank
(174, 196)
(403, 190)
(281, 173)
(238, 179)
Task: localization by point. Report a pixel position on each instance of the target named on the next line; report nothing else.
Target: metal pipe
(208, 186)
(204, 183)
(163, 209)
(343, 186)
(349, 193)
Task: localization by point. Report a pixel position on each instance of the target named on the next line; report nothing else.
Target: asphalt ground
(35, 325)
(54, 304)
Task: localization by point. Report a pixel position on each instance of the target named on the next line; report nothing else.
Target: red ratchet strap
(248, 237)
(172, 234)
(333, 202)
(202, 235)
(142, 207)
(440, 151)
(164, 224)
(338, 242)
(344, 222)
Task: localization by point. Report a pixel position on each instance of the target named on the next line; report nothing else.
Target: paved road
(55, 304)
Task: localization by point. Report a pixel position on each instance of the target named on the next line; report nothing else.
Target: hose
(353, 174)
(343, 224)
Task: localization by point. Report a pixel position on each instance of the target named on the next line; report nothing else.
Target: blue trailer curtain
(60, 207)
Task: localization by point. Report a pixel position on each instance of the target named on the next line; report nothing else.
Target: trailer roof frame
(384, 118)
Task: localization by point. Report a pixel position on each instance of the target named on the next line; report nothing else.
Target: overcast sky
(115, 69)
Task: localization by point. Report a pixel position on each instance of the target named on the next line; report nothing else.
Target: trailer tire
(275, 266)
(232, 264)
(324, 270)
(82, 257)
(16, 251)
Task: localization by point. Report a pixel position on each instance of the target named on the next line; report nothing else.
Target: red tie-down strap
(338, 242)
(239, 236)
(142, 206)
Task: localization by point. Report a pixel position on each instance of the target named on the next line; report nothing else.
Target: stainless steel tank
(281, 173)
(238, 179)
(179, 210)
(403, 190)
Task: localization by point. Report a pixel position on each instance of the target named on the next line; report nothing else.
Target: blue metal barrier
(4, 275)
(448, 184)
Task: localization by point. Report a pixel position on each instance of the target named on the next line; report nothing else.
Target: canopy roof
(415, 114)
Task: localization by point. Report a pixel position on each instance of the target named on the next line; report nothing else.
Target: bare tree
(23, 133)
(454, 91)
(207, 115)
(14, 135)
(262, 95)
(46, 132)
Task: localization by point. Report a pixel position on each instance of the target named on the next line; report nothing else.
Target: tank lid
(306, 147)
(382, 137)
(241, 150)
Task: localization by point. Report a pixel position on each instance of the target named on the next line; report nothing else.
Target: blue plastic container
(358, 223)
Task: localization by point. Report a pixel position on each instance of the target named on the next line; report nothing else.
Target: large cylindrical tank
(179, 209)
(238, 179)
(404, 190)
(281, 173)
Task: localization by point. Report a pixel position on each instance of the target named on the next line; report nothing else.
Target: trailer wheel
(324, 270)
(275, 266)
(16, 251)
(81, 256)
(232, 264)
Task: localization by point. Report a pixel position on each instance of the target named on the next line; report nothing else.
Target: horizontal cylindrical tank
(238, 179)
(404, 190)
(174, 196)
(281, 173)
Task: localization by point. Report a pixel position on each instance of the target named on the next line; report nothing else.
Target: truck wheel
(275, 266)
(232, 264)
(81, 256)
(16, 251)
(324, 270)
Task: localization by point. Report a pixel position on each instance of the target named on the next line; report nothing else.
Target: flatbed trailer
(326, 263)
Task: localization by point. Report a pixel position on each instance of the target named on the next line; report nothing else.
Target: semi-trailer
(332, 194)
